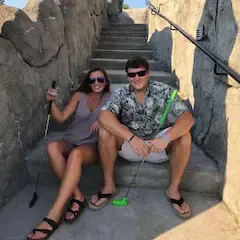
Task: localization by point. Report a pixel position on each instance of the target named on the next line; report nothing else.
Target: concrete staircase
(117, 44)
(120, 42)
(149, 214)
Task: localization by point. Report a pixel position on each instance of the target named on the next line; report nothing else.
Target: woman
(77, 148)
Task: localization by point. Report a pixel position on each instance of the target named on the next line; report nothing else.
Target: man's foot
(179, 205)
(75, 208)
(100, 199)
(48, 226)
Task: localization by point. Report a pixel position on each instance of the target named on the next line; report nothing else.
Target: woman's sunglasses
(140, 74)
(99, 79)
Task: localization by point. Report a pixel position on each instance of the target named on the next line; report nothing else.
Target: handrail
(230, 71)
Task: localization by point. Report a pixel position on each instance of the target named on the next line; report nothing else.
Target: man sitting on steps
(130, 122)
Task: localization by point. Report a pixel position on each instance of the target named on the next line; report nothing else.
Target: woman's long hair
(84, 87)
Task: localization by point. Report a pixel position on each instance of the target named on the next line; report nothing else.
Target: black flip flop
(76, 213)
(108, 196)
(52, 223)
(179, 203)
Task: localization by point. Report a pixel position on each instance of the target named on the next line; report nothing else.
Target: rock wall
(215, 99)
(132, 16)
(42, 43)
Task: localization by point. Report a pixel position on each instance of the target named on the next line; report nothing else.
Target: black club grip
(50, 102)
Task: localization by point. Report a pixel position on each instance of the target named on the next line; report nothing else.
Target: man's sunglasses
(140, 74)
(99, 79)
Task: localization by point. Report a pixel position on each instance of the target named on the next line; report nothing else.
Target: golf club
(123, 201)
(35, 195)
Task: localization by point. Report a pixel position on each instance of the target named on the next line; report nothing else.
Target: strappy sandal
(76, 213)
(108, 196)
(179, 203)
(52, 223)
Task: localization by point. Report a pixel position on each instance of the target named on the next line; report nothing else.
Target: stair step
(120, 77)
(119, 64)
(130, 28)
(126, 39)
(123, 54)
(123, 46)
(123, 34)
(201, 175)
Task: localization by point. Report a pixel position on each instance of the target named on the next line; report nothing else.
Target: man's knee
(185, 140)
(104, 134)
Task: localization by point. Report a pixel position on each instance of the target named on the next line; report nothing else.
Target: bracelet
(165, 138)
(130, 139)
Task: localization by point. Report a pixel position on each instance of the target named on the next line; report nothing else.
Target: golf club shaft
(134, 177)
(45, 136)
(43, 150)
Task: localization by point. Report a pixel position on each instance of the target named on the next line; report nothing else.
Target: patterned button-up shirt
(144, 120)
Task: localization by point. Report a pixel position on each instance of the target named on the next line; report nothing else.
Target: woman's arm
(61, 116)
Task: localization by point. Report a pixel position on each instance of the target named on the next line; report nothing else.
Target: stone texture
(214, 99)
(45, 42)
(132, 16)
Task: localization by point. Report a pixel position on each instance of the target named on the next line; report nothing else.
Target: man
(131, 128)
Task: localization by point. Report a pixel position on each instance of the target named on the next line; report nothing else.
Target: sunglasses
(99, 79)
(140, 74)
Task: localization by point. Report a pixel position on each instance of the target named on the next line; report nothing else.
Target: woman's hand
(95, 127)
(52, 94)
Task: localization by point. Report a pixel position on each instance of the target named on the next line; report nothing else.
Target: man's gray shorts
(129, 154)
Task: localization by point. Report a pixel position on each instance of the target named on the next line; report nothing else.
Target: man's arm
(110, 122)
(182, 126)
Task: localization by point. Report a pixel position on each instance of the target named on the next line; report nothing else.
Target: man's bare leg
(179, 157)
(108, 147)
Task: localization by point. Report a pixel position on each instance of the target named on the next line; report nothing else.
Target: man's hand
(158, 145)
(140, 147)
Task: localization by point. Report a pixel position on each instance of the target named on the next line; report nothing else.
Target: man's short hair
(137, 62)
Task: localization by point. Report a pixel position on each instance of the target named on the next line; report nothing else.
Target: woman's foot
(47, 224)
(76, 206)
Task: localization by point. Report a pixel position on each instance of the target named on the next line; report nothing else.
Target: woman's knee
(75, 157)
(52, 146)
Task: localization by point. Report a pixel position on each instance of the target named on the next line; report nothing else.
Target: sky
(21, 3)
(135, 3)
(16, 3)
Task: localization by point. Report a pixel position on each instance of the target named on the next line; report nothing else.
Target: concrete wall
(45, 42)
(215, 99)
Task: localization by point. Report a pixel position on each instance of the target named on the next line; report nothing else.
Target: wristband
(165, 138)
(130, 139)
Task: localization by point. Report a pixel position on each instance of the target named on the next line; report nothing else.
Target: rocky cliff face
(42, 43)
(215, 99)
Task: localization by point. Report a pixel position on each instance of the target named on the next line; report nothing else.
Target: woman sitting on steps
(77, 148)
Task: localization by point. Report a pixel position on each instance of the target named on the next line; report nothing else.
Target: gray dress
(78, 132)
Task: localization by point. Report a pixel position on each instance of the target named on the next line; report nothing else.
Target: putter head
(122, 202)
(34, 199)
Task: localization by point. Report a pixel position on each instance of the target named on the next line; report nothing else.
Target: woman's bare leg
(57, 155)
(78, 156)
